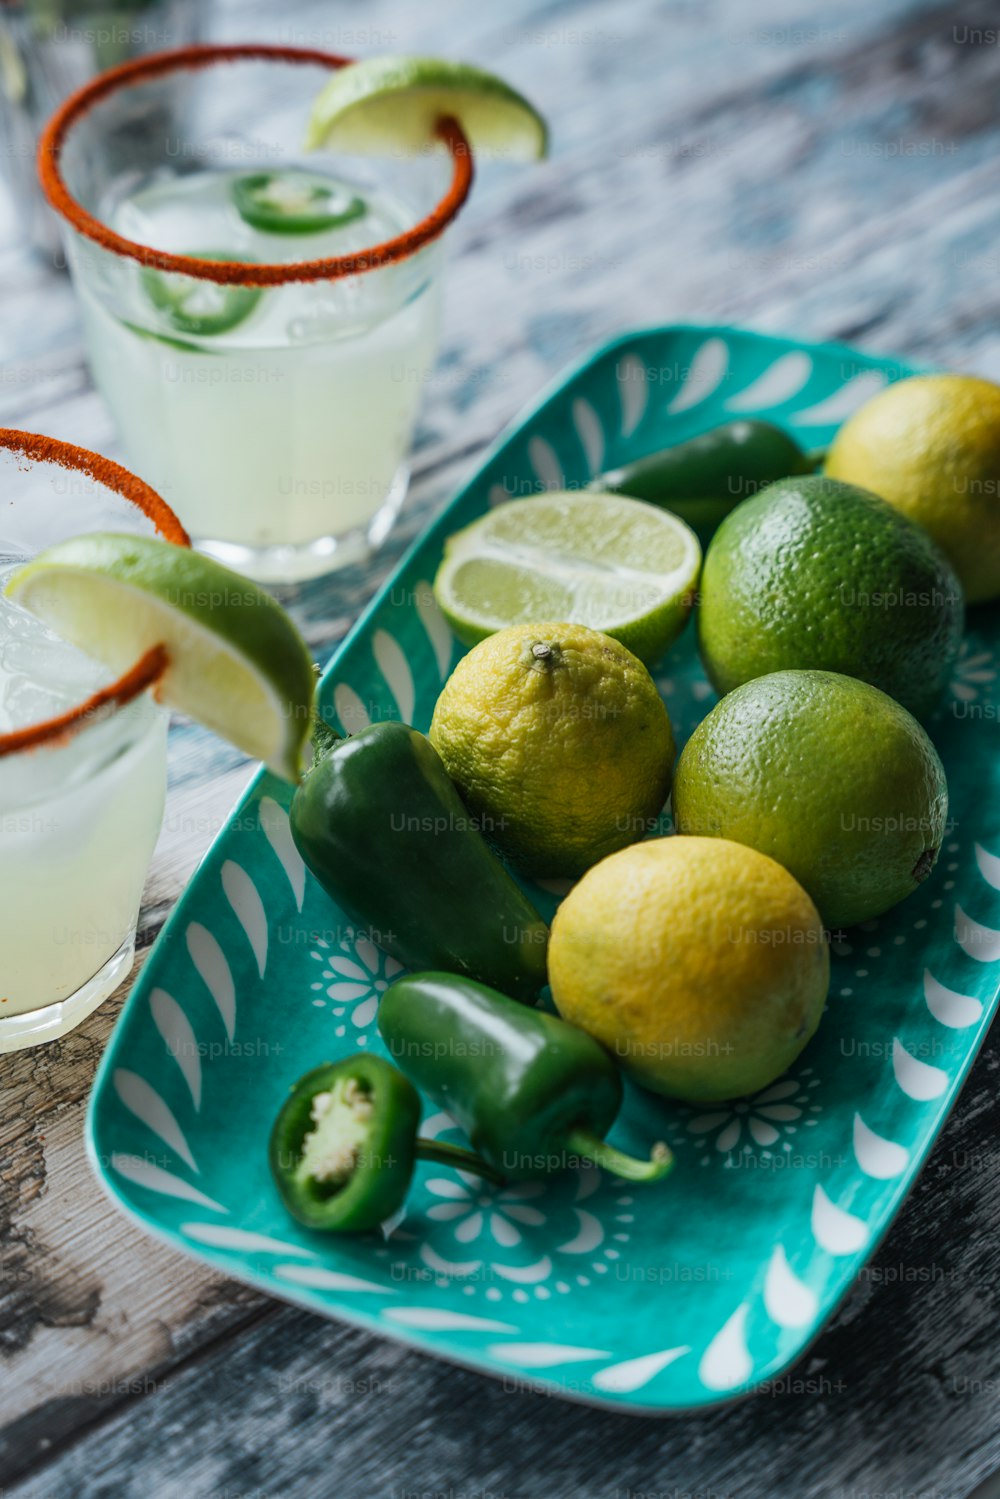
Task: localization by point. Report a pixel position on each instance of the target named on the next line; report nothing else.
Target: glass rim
(148, 670)
(235, 272)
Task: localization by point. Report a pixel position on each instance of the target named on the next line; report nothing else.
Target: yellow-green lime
(700, 964)
(827, 775)
(930, 445)
(614, 564)
(814, 573)
(388, 104)
(237, 664)
(559, 744)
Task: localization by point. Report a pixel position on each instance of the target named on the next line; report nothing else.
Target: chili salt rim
(147, 671)
(236, 272)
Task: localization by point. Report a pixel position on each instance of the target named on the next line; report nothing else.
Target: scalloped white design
(976, 940)
(591, 434)
(726, 1361)
(545, 1355)
(956, 1011)
(179, 1039)
(633, 391)
(142, 1100)
(395, 668)
(248, 908)
(635, 1373)
(144, 1173)
(319, 1279)
(834, 1229)
(436, 1319)
(590, 1236)
(213, 968)
(879, 1158)
(706, 373)
(435, 625)
(545, 461)
(788, 1300)
(351, 711)
(919, 1080)
(218, 1236)
(277, 830)
(988, 865)
(778, 384)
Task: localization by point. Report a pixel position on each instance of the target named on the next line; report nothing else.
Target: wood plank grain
(832, 175)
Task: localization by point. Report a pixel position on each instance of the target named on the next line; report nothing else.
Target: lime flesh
(237, 664)
(611, 563)
(385, 105)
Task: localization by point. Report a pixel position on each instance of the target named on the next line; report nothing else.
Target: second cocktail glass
(82, 759)
(261, 323)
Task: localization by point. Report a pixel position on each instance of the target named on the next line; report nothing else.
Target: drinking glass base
(297, 562)
(36, 1027)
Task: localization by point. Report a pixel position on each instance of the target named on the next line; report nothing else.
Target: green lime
(294, 202)
(203, 308)
(828, 776)
(559, 745)
(930, 445)
(815, 574)
(618, 565)
(237, 663)
(384, 105)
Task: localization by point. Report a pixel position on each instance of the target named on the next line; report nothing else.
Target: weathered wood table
(833, 173)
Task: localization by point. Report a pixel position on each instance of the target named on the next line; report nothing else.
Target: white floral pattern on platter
(781, 1109)
(354, 976)
(974, 671)
(470, 1209)
(525, 1241)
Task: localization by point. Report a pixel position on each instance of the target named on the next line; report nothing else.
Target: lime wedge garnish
(294, 203)
(203, 308)
(602, 560)
(237, 664)
(384, 105)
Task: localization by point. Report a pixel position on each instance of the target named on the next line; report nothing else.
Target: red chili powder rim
(235, 272)
(146, 672)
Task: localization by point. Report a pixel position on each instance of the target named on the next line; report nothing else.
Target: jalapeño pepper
(702, 479)
(531, 1091)
(294, 203)
(383, 829)
(344, 1146)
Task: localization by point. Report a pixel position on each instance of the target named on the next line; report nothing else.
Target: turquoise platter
(664, 1299)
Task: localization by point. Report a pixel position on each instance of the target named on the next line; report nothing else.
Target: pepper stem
(591, 1147)
(324, 738)
(461, 1160)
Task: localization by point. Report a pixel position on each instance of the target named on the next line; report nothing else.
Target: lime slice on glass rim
(294, 203)
(615, 564)
(387, 105)
(236, 663)
(202, 308)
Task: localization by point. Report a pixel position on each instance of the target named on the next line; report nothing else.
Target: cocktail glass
(261, 323)
(48, 48)
(82, 760)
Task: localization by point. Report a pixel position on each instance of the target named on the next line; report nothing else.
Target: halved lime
(237, 663)
(204, 308)
(615, 564)
(294, 202)
(385, 105)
